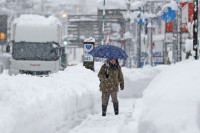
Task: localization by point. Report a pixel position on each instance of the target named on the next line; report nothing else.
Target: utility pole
(128, 36)
(175, 45)
(104, 13)
(179, 35)
(150, 38)
(195, 29)
(42, 6)
(165, 55)
(138, 44)
(179, 31)
(150, 42)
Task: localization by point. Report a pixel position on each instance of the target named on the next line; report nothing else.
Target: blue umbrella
(109, 52)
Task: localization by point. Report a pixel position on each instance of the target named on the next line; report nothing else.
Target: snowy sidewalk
(109, 124)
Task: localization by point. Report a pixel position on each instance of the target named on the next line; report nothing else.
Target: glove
(107, 75)
(122, 88)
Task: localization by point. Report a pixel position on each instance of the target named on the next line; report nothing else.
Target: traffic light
(3, 29)
(2, 36)
(64, 42)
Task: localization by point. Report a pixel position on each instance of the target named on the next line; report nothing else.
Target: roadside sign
(168, 15)
(87, 48)
(88, 60)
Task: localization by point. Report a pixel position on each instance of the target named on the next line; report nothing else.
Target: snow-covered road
(95, 123)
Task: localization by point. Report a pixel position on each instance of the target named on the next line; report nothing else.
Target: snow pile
(189, 48)
(188, 45)
(30, 104)
(171, 103)
(136, 80)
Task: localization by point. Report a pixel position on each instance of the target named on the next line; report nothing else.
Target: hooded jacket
(110, 77)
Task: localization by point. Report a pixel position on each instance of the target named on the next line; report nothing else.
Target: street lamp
(64, 15)
(64, 21)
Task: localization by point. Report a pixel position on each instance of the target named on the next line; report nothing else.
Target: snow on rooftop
(89, 40)
(32, 19)
(138, 4)
(85, 19)
(119, 4)
(158, 37)
(112, 4)
(171, 4)
(135, 14)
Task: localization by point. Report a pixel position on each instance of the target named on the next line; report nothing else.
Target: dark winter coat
(110, 77)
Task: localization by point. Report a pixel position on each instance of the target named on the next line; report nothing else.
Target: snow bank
(136, 80)
(189, 45)
(30, 104)
(171, 103)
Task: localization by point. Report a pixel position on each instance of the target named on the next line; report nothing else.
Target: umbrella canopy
(109, 52)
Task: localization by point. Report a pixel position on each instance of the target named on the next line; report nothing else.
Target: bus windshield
(36, 51)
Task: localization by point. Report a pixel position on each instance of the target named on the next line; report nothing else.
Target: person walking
(110, 76)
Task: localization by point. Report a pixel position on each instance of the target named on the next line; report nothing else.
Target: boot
(116, 108)
(104, 108)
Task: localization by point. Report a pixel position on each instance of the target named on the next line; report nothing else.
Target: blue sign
(168, 15)
(158, 53)
(141, 21)
(88, 47)
(139, 15)
(88, 57)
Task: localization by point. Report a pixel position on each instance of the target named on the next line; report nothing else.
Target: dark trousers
(105, 98)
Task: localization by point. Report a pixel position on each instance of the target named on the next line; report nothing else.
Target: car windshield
(35, 51)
